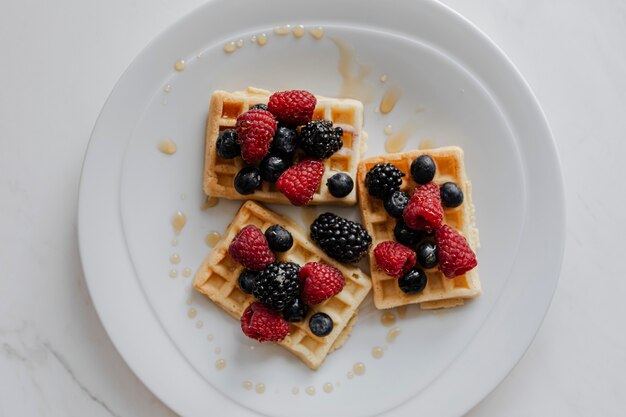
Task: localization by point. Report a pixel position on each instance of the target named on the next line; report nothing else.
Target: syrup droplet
(220, 364)
(387, 319)
(402, 311)
(317, 32)
(167, 88)
(175, 258)
(298, 31)
(295, 390)
(230, 47)
(383, 78)
(247, 385)
(239, 43)
(328, 388)
(377, 352)
(392, 335)
(212, 238)
(260, 388)
(310, 390)
(262, 39)
(218, 350)
(282, 30)
(397, 142)
(209, 202)
(167, 146)
(253, 39)
(426, 144)
(174, 242)
(388, 130)
(179, 220)
(350, 375)
(389, 100)
(209, 337)
(173, 273)
(199, 324)
(192, 313)
(189, 301)
(354, 84)
(199, 56)
(180, 65)
(187, 272)
(359, 368)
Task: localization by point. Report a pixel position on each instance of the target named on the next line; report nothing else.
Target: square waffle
(219, 174)
(440, 292)
(217, 279)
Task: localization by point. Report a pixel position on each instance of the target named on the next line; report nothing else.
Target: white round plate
(467, 94)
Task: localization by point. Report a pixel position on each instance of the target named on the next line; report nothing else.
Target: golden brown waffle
(218, 275)
(219, 173)
(440, 292)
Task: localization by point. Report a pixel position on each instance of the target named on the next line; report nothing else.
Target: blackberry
(227, 146)
(383, 179)
(342, 239)
(396, 203)
(259, 106)
(278, 284)
(319, 139)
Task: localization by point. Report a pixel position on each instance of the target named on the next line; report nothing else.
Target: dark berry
(272, 166)
(259, 106)
(285, 141)
(320, 139)
(278, 238)
(227, 146)
(247, 280)
(321, 324)
(383, 179)
(278, 284)
(413, 281)
(423, 169)
(340, 238)
(451, 195)
(427, 255)
(396, 203)
(247, 180)
(340, 185)
(405, 235)
(295, 311)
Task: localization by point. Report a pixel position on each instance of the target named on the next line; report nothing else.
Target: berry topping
(255, 131)
(227, 146)
(451, 195)
(427, 255)
(285, 141)
(396, 203)
(272, 166)
(321, 324)
(301, 180)
(278, 284)
(293, 107)
(424, 211)
(405, 235)
(247, 180)
(339, 238)
(320, 282)
(413, 281)
(295, 311)
(393, 258)
(319, 139)
(250, 249)
(259, 106)
(279, 238)
(263, 324)
(340, 185)
(383, 179)
(423, 169)
(455, 255)
(247, 280)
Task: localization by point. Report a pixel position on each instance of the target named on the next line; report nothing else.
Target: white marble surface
(60, 60)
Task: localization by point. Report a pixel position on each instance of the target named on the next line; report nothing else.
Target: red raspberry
(320, 282)
(394, 259)
(255, 131)
(293, 107)
(262, 323)
(250, 249)
(454, 253)
(424, 211)
(301, 180)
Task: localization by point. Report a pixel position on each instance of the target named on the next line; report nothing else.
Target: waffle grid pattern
(219, 174)
(440, 292)
(217, 279)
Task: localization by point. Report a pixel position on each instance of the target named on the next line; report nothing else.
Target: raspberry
(255, 131)
(320, 139)
(301, 180)
(394, 259)
(294, 107)
(320, 282)
(263, 324)
(424, 211)
(250, 249)
(455, 255)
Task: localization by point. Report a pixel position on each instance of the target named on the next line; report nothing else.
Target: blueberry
(278, 238)
(226, 145)
(285, 140)
(423, 169)
(259, 107)
(295, 311)
(247, 279)
(321, 324)
(427, 255)
(413, 281)
(340, 185)
(405, 235)
(396, 203)
(272, 166)
(451, 195)
(247, 180)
